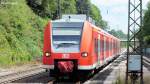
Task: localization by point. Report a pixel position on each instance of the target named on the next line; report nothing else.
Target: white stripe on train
(85, 67)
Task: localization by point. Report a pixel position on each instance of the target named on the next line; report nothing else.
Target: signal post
(134, 67)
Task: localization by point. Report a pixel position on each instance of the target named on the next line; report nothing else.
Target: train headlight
(47, 54)
(84, 54)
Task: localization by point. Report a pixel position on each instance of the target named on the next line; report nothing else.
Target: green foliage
(22, 23)
(95, 14)
(49, 9)
(146, 26)
(20, 33)
(86, 7)
(147, 39)
(146, 22)
(118, 34)
(83, 6)
(68, 7)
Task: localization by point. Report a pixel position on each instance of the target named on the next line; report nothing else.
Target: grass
(21, 33)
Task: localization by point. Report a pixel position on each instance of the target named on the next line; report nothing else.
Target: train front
(64, 50)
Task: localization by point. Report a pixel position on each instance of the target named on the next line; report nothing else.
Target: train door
(98, 49)
(110, 43)
(104, 48)
(108, 47)
(113, 47)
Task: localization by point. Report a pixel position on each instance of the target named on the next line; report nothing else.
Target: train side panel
(86, 46)
(47, 44)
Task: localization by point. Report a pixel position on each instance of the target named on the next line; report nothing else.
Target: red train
(73, 46)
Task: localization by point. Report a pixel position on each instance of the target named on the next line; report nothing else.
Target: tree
(68, 7)
(118, 34)
(49, 8)
(145, 31)
(146, 22)
(43, 8)
(83, 6)
(86, 7)
(96, 15)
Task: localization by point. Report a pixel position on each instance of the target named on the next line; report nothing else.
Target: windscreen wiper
(65, 44)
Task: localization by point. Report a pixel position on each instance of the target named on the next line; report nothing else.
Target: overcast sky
(115, 12)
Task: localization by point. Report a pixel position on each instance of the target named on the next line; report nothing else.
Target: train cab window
(66, 36)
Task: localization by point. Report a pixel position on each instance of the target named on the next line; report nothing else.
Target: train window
(99, 50)
(96, 46)
(66, 37)
(104, 47)
(110, 43)
(112, 46)
(104, 44)
(99, 46)
(107, 45)
(66, 31)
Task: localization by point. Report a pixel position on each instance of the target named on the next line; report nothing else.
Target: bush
(147, 39)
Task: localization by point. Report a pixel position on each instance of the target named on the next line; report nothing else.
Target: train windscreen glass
(66, 36)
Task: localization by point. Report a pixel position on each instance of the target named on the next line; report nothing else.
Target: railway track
(146, 62)
(45, 79)
(21, 74)
(38, 75)
(109, 73)
(64, 82)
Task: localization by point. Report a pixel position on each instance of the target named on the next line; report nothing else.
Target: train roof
(75, 18)
(105, 32)
(68, 20)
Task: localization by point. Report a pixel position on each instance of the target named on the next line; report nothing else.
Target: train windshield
(66, 36)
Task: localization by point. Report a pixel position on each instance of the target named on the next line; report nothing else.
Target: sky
(115, 12)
